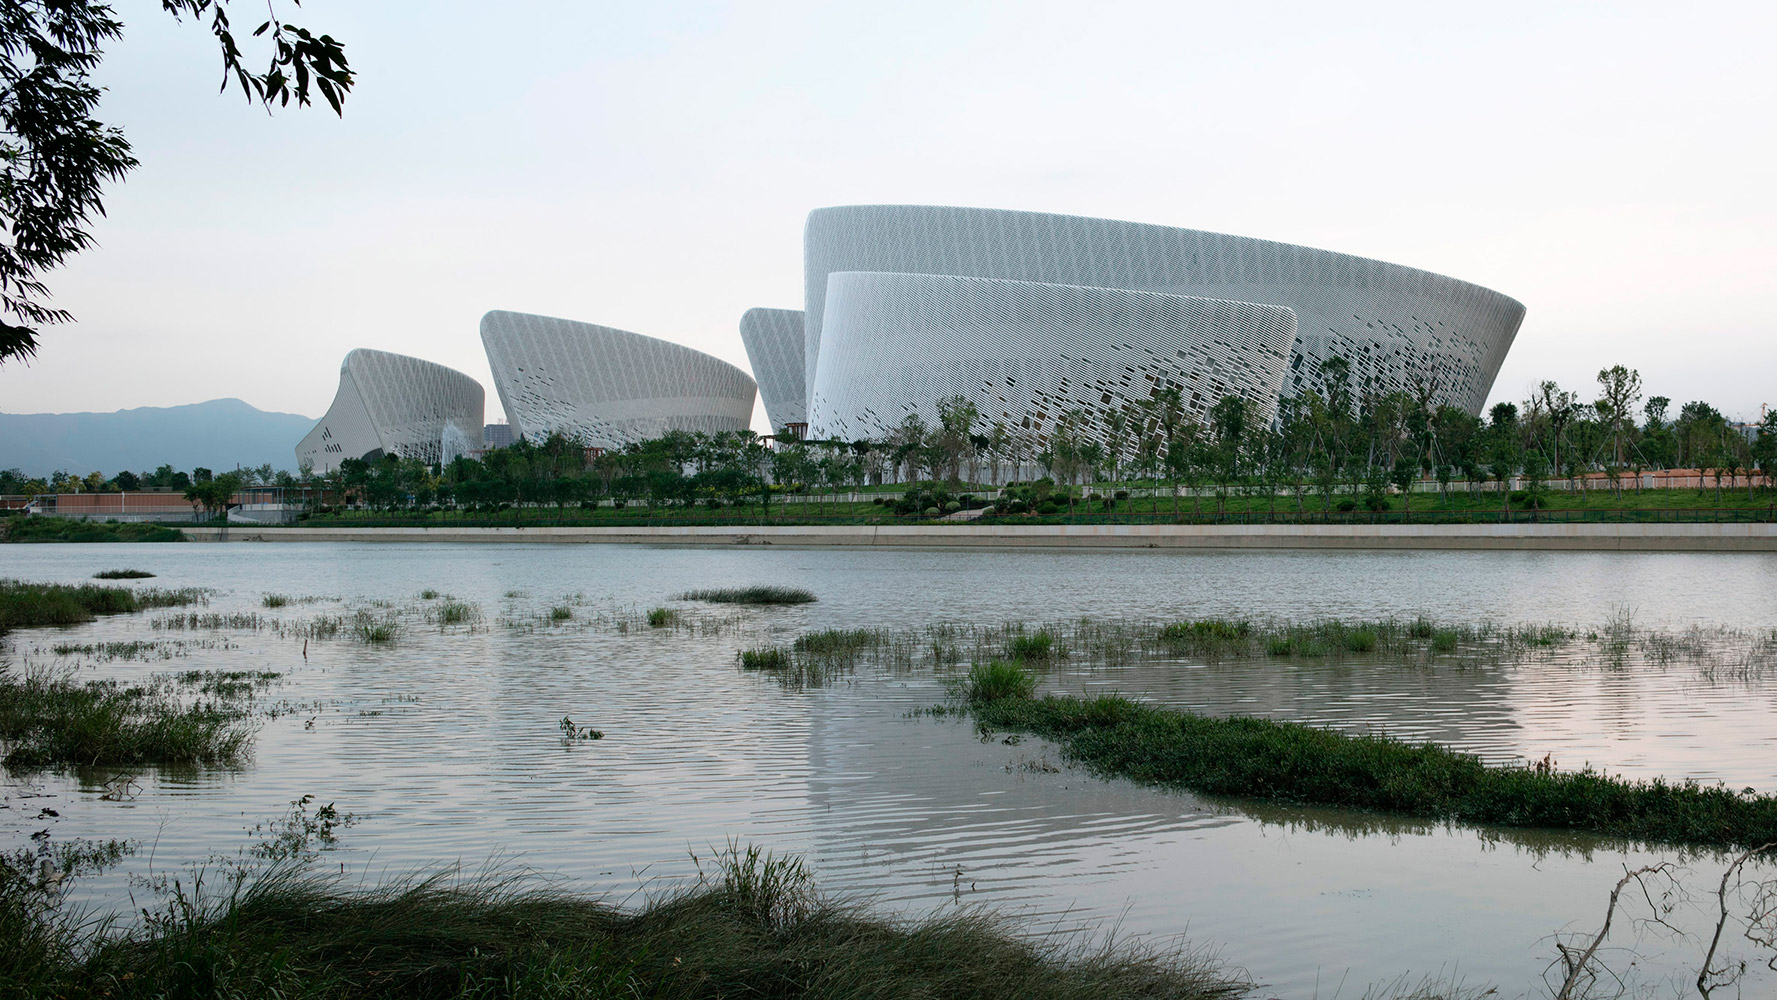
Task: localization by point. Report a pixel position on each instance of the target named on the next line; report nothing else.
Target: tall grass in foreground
(32, 605)
(753, 928)
(1288, 762)
(750, 595)
(49, 718)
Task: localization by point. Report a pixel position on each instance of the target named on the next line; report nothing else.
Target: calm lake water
(446, 743)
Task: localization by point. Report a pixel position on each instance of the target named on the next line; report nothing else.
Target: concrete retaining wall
(1594, 537)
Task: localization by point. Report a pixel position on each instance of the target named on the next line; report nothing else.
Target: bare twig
(1578, 968)
(1726, 976)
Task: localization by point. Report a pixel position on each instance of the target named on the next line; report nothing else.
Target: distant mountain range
(220, 434)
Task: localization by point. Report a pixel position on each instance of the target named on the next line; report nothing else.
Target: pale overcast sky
(648, 166)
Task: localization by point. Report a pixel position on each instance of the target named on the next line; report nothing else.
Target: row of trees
(1336, 441)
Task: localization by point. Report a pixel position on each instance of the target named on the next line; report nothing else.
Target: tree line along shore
(1339, 454)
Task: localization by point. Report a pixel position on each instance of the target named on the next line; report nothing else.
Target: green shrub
(662, 617)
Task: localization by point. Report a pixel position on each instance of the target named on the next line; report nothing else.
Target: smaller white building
(392, 404)
(606, 387)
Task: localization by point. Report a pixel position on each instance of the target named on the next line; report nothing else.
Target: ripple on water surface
(448, 742)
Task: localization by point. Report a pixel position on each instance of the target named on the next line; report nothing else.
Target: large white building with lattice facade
(1398, 327)
(607, 387)
(392, 404)
(1026, 354)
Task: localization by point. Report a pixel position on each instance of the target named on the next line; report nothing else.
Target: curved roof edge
(1063, 216)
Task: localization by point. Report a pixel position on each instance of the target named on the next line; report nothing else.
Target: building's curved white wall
(608, 387)
(1025, 353)
(774, 340)
(395, 404)
(1398, 326)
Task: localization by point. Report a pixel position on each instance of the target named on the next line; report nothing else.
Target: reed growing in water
(49, 718)
(34, 605)
(750, 595)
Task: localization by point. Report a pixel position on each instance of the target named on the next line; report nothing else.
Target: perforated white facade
(1026, 353)
(774, 339)
(1399, 327)
(608, 387)
(392, 404)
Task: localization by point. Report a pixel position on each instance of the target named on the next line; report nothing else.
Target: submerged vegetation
(29, 605)
(750, 595)
(752, 926)
(49, 718)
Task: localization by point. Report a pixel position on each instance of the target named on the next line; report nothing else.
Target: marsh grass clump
(428, 594)
(837, 643)
(751, 925)
(764, 658)
(371, 630)
(50, 718)
(122, 574)
(34, 605)
(129, 649)
(560, 613)
(274, 600)
(1039, 645)
(750, 595)
(1288, 762)
(212, 622)
(226, 684)
(1444, 640)
(1208, 635)
(452, 612)
(662, 618)
(998, 680)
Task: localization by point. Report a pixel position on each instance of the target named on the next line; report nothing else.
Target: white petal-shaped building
(1026, 353)
(608, 387)
(1399, 327)
(774, 340)
(392, 404)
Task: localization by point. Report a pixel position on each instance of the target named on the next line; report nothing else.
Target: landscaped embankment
(1639, 537)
